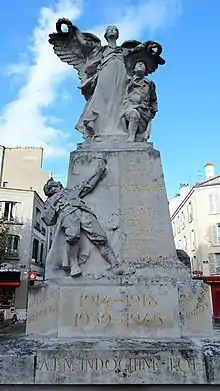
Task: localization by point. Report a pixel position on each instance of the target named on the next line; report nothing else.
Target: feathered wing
(149, 52)
(73, 46)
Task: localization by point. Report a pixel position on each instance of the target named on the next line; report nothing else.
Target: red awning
(10, 283)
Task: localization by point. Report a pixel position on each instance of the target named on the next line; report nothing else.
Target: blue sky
(40, 102)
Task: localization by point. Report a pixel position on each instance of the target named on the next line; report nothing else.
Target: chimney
(209, 171)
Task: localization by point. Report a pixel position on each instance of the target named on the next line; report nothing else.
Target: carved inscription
(42, 305)
(199, 302)
(137, 171)
(137, 209)
(130, 364)
(196, 311)
(137, 187)
(47, 310)
(138, 309)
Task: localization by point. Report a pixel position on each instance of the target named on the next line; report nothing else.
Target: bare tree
(4, 228)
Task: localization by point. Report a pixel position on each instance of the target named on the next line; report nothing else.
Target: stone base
(152, 308)
(120, 362)
(93, 361)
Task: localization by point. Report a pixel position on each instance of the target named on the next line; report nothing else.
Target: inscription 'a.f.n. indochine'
(130, 364)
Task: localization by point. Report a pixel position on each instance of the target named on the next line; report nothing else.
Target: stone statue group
(119, 100)
(118, 96)
(66, 209)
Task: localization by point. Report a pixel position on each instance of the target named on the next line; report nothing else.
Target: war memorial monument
(117, 306)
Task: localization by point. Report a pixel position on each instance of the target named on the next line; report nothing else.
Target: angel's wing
(149, 52)
(73, 46)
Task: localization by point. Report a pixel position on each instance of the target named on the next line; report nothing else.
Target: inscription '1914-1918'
(107, 311)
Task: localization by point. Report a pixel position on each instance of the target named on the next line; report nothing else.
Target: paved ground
(12, 331)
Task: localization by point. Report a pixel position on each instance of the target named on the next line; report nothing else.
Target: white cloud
(17, 69)
(133, 19)
(23, 121)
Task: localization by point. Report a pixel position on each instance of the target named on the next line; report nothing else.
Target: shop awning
(10, 278)
(10, 283)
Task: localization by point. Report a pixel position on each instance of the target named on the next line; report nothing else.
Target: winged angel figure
(104, 72)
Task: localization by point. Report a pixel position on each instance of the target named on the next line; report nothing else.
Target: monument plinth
(117, 306)
(151, 296)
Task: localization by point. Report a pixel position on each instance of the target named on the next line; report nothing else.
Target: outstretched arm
(88, 185)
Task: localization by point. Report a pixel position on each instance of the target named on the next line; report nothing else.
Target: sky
(40, 102)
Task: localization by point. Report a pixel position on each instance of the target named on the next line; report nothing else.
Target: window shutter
(211, 263)
(214, 234)
(217, 260)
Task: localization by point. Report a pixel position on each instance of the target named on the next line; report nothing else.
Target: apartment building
(196, 223)
(21, 205)
(21, 168)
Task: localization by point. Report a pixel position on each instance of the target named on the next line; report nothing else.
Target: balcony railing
(11, 253)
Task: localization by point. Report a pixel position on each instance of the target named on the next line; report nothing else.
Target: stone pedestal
(120, 362)
(135, 327)
(154, 308)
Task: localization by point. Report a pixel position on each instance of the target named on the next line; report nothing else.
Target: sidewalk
(12, 331)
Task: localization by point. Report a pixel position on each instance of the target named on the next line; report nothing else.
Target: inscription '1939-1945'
(107, 311)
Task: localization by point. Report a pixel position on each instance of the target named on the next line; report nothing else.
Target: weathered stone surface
(16, 370)
(195, 309)
(150, 309)
(211, 349)
(110, 361)
(120, 362)
(131, 203)
(120, 311)
(43, 310)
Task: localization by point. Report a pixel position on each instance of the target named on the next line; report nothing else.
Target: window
(195, 265)
(211, 263)
(37, 214)
(214, 203)
(193, 240)
(180, 244)
(12, 245)
(42, 253)
(190, 212)
(9, 211)
(37, 219)
(174, 228)
(183, 223)
(215, 234)
(178, 224)
(217, 263)
(185, 244)
(35, 249)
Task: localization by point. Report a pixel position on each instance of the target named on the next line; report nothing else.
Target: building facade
(196, 224)
(21, 206)
(21, 168)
